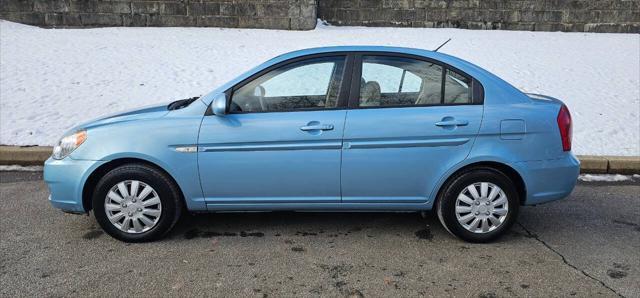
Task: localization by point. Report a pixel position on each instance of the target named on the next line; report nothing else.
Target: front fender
(66, 179)
(153, 141)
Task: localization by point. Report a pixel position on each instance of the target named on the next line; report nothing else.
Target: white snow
(605, 178)
(52, 79)
(19, 168)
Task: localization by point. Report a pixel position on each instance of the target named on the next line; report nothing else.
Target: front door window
(306, 85)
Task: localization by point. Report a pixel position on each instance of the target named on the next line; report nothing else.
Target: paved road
(588, 245)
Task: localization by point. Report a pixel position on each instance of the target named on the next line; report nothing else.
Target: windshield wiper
(181, 103)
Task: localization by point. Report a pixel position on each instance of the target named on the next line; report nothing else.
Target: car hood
(148, 112)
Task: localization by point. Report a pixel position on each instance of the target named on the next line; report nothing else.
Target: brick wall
(542, 15)
(272, 14)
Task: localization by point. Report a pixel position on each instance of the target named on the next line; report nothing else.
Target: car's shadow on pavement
(260, 224)
(319, 224)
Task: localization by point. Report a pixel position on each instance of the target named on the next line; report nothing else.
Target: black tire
(167, 190)
(446, 204)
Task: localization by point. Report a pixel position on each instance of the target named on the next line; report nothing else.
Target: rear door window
(389, 81)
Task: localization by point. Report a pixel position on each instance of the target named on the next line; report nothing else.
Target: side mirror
(219, 105)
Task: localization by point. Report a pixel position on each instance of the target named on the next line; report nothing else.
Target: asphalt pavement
(586, 245)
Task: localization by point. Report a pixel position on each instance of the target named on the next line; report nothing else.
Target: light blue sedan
(335, 128)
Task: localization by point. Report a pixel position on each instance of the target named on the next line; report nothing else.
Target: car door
(411, 121)
(279, 143)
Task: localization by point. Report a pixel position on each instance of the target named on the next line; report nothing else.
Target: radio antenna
(442, 45)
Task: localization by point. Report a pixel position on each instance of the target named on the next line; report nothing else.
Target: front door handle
(317, 127)
(452, 123)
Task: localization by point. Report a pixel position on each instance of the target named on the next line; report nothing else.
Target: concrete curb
(24, 156)
(36, 155)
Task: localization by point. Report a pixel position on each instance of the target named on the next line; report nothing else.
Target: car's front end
(89, 146)
(66, 178)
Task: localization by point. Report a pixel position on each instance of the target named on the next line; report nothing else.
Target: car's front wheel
(136, 203)
(478, 205)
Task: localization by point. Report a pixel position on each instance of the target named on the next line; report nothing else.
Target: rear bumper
(549, 180)
(65, 179)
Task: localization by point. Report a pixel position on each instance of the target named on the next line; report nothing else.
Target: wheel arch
(99, 172)
(495, 165)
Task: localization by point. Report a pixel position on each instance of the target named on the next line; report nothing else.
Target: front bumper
(66, 179)
(549, 180)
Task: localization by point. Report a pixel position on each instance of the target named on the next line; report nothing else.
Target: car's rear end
(550, 170)
(527, 132)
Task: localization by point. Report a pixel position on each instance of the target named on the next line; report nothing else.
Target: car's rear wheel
(478, 205)
(136, 203)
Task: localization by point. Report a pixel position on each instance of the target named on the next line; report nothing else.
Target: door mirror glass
(219, 105)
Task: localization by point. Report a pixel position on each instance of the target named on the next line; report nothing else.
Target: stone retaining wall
(280, 14)
(542, 15)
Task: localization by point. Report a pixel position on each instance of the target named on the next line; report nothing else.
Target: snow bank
(18, 168)
(51, 79)
(605, 178)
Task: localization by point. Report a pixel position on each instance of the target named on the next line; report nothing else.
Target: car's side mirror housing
(219, 105)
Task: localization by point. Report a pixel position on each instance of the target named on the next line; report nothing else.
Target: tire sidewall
(167, 193)
(447, 202)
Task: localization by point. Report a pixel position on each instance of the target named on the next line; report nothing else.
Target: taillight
(566, 130)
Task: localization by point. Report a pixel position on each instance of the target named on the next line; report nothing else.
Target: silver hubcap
(482, 207)
(133, 206)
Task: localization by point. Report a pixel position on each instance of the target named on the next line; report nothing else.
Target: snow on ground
(607, 177)
(18, 168)
(52, 79)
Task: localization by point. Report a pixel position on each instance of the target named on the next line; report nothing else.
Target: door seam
(344, 127)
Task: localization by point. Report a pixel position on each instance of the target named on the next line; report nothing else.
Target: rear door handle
(452, 123)
(317, 127)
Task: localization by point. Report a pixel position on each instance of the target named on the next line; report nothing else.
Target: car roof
(355, 48)
(463, 65)
(360, 48)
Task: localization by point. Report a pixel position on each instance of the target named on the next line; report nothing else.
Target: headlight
(67, 144)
